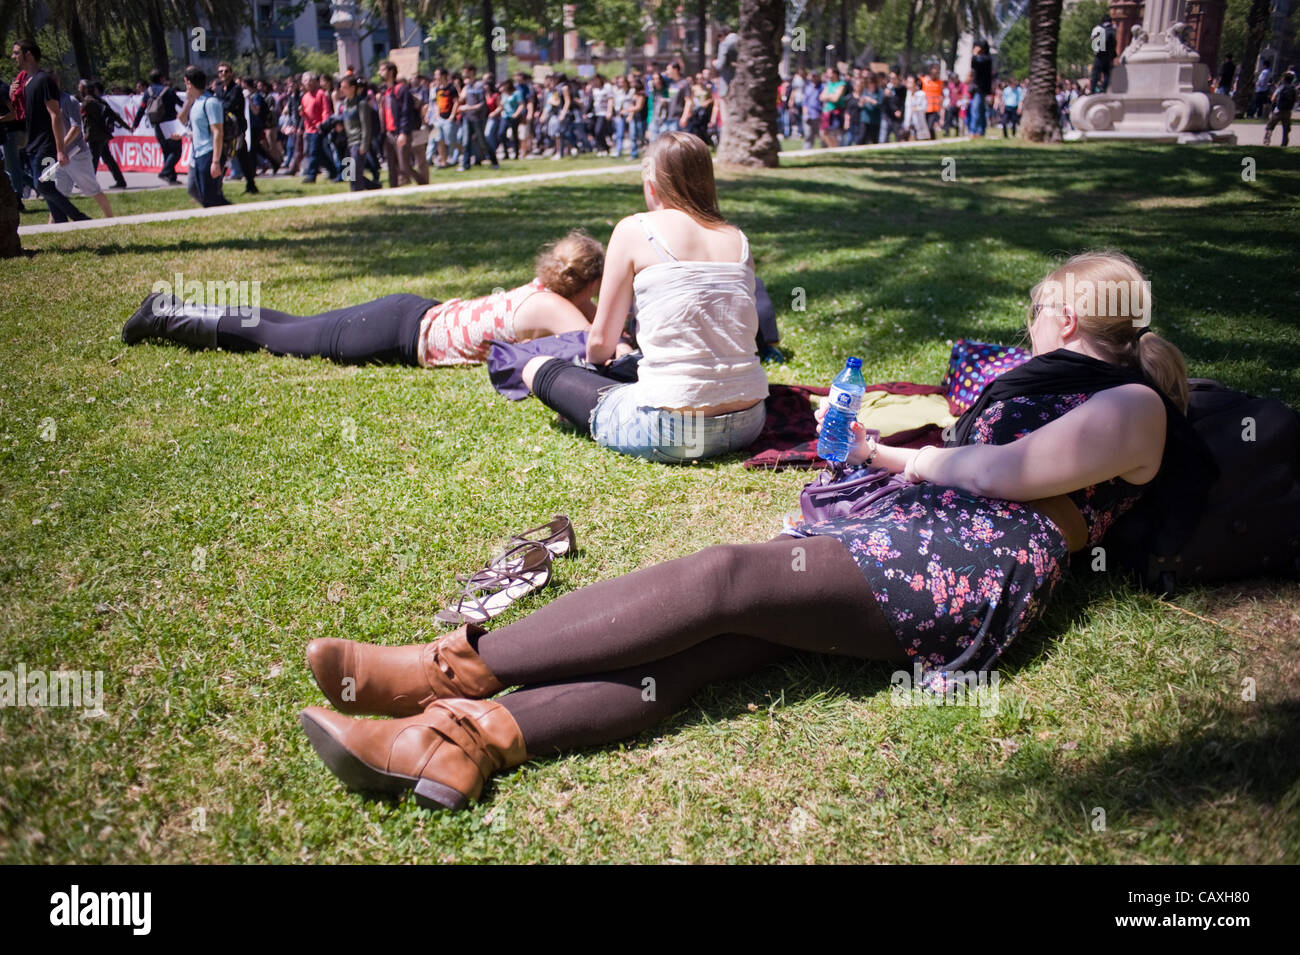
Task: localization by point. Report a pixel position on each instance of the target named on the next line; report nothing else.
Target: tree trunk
(910, 37)
(1256, 32)
(842, 54)
(158, 39)
(1039, 117)
(393, 24)
(489, 24)
(702, 25)
(10, 245)
(80, 50)
(749, 134)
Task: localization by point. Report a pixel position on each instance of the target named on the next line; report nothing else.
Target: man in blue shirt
(205, 116)
(1012, 95)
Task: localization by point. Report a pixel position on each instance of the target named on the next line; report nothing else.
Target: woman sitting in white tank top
(701, 388)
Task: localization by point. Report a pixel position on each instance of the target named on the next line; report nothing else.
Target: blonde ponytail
(1164, 364)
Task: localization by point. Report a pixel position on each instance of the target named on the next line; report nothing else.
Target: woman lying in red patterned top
(396, 329)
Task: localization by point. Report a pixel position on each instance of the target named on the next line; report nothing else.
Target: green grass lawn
(186, 522)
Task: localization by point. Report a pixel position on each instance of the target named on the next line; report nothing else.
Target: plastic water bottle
(836, 439)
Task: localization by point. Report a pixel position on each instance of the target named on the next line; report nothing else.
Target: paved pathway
(340, 197)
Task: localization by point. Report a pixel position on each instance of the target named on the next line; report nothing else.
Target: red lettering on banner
(143, 154)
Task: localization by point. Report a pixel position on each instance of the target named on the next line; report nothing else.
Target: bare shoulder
(1136, 399)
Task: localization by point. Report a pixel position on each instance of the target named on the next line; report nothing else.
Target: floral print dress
(957, 575)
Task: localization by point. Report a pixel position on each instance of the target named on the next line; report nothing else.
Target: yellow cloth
(890, 414)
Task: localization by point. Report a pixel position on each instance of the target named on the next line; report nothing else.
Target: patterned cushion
(972, 366)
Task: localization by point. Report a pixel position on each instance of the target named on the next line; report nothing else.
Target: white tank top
(696, 324)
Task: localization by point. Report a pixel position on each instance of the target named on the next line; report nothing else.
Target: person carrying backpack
(161, 105)
(1283, 103)
(401, 118)
(1104, 43)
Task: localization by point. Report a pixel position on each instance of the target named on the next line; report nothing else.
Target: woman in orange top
(932, 87)
(400, 329)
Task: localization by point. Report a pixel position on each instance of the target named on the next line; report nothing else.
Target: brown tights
(610, 660)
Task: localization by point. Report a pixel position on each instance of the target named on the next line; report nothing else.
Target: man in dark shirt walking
(473, 115)
(400, 116)
(981, 66)
(1227, 73)
(98, 121)
(231, 94)
(159, 86)
(45, 131)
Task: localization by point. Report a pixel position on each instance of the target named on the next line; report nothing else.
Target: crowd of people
(856, 106)
(350, 128)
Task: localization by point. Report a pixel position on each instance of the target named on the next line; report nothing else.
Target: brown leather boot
(445, 753)
(400, 681)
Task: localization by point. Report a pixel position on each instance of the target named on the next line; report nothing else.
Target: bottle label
(847, 401)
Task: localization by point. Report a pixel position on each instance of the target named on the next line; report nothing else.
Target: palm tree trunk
(1256, 31)
(749, 136)
(1039, 117)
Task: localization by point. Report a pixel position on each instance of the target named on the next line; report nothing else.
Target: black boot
(193, 325)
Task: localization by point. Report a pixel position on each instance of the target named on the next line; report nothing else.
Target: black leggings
(570, 390)
(613, 659)
(383, 332)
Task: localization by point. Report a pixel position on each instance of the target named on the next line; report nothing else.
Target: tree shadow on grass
(1254, 755)
(888, 232)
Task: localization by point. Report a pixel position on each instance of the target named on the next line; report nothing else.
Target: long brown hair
(681, 169)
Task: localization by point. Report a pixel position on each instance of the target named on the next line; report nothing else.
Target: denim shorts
(670, 437)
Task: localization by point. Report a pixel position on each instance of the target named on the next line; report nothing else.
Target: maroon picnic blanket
(789, 436)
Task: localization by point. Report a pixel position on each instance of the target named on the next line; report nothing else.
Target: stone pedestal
(1159, 90)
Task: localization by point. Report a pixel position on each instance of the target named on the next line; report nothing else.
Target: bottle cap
(853, 362)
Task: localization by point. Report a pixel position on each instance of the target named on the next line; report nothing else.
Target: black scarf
(1172, 503)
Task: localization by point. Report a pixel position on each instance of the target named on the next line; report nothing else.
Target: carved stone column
(1126, 14)
(1205, 29)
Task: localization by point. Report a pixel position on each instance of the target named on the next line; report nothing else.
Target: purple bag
(837, 493)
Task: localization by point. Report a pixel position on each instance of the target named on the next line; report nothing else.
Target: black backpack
(1286, 98)
(1250, 525)
(232, 131)
(160, 109)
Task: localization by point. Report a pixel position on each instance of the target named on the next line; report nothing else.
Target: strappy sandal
(524, 568)
(557, 534)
